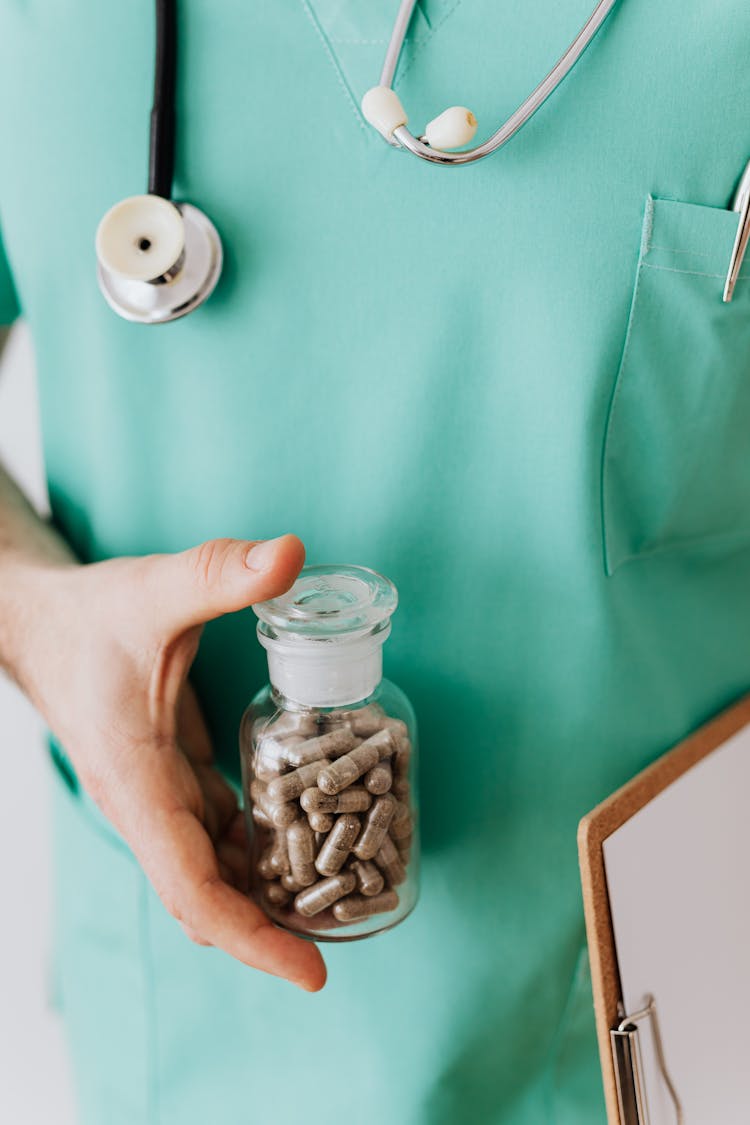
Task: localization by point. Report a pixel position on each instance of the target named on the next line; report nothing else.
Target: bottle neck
(317, 674)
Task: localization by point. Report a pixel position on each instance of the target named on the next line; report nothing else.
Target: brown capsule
(375, 827)
(389, 862)
(290, 884)
(364, 721)
(320, 822)
(331, 745)
(264, 867)
(353, 799)
(270, 757)
(304, 723)
(326, 891)
(369, 879)
(301, 845)
(404, 849)
(358, 761)
(280, 853)
(368, 720)
(276, 894)
(338, 844)
(313, 800)
(260, 817)
(379, 779)
(354, 907)
(398, 729)
(402, 759)
(402, 789)
(402, 824)
(280, 815)
(292, 785)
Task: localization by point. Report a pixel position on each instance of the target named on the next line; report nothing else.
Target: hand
(106, 657)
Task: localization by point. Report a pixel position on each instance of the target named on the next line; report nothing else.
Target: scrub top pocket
(676, 463)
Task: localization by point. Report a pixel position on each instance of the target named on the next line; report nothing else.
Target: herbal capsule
(331, 745)
(402, 824)
(276, 894)
(279, 814)
(292, 785)
(280, 853)
(354, 907)
(404, 848)
(320, 822)
(364, 721)
(293, 722)
(337, 845)
(353, 799)
(401, 789)
(369, 879)
(326, 891)
(358, 761)
(301, 845)
(289, 883)
(260, 817)
(376, 827)
(314, 800)
(402, 758)
(264, 866)
(380, 778)
(389, 862)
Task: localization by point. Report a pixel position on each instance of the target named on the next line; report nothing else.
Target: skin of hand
(106, 655)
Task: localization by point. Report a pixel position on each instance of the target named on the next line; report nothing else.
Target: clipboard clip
(628, 1063)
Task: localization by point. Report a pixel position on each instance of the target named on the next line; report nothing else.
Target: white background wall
(35, 1085)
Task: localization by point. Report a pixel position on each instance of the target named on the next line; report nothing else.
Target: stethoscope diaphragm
(157, 260)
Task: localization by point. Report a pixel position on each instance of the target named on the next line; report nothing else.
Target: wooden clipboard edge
(593, 830)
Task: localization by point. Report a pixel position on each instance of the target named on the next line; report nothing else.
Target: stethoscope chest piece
(157, 260)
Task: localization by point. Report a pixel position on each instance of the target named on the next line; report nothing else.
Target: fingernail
(261, 556)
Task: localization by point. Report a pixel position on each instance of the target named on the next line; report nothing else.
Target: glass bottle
(328, 753)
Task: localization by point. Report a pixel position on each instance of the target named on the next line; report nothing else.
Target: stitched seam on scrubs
(334, 63)
(149, 983)
(604, 475)
(692, 273)
(707, 538)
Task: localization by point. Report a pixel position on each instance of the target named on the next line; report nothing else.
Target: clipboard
(700, 769)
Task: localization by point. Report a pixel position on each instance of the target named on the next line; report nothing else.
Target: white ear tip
(382, 108)
(454, 128)
(141, 238)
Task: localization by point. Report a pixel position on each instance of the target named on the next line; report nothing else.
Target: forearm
(29, 551)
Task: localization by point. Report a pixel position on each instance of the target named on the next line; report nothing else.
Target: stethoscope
(159, 259)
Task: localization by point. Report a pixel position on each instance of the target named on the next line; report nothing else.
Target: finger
(196, 937)
(176, 853)
(220, 576)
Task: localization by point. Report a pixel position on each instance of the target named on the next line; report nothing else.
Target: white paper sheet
(678, 876)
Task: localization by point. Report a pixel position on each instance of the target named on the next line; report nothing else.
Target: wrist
(31, 590)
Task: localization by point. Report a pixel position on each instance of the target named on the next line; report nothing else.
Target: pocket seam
(693, 273)
(643, 250)
(737, 535)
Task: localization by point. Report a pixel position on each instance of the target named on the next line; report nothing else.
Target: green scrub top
(511, 387)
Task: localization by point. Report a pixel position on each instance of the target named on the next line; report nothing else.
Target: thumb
(220, 576)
